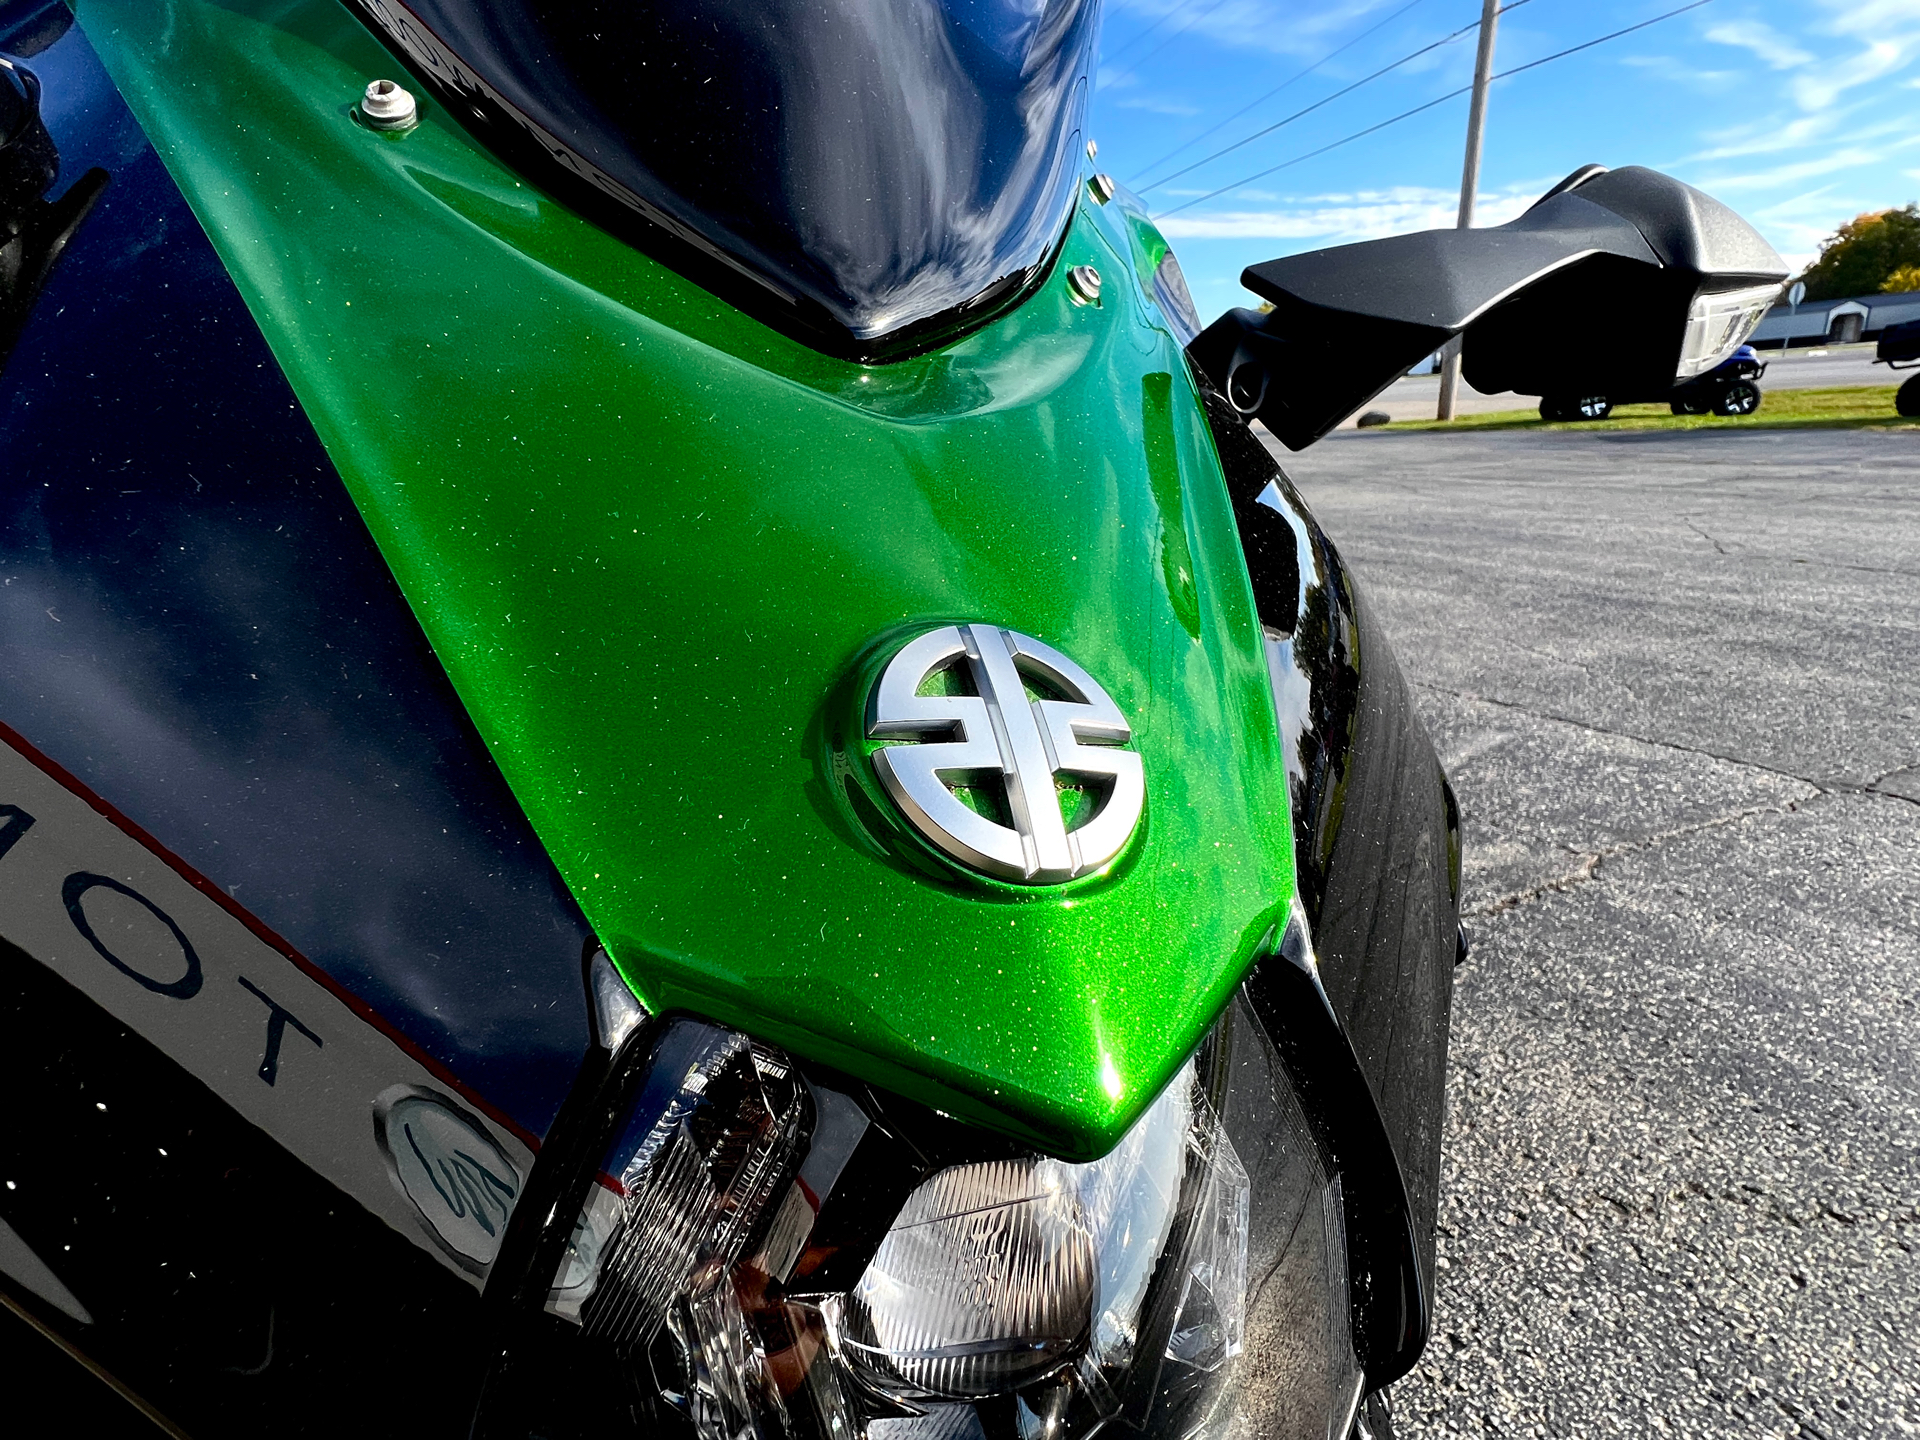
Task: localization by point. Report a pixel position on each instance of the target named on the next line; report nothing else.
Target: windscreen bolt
(1102, 187)
(1083, 283)
(386, 106)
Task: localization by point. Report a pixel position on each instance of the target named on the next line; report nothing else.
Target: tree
(1864, 253)
(1903, 281)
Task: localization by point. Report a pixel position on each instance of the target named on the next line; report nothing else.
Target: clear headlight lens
(1191, 1283)
(1717, 325)
(984, 1284)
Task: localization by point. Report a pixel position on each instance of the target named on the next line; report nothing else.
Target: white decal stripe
(20, 1261)
(113, 918)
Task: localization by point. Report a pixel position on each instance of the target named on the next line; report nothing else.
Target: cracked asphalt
(1676, 681)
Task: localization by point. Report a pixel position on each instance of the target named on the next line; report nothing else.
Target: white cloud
(1363, 215)
(1888, 32)
(1155, 105)
(1798, 170)
(1771, 136)
(1818, 91)
(1271, 25)
(1681, 72)
(1760, 38)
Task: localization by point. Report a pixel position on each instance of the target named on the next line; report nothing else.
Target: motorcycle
(673, 764)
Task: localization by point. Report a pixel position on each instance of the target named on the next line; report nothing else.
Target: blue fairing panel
(196, 626)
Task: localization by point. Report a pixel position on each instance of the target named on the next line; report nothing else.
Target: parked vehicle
(671, 764)
(1899, 349)
(1575, 407)
(1728, 389)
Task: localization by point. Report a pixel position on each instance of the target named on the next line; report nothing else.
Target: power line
(1181, 31)
(1357, 135)
(1172, 11)
(1325, 100)
(1297, 75)
(1409, 114)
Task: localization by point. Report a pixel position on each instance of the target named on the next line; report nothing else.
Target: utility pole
(1470, 180)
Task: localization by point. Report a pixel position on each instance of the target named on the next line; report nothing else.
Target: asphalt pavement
(1415, 397)
(1676, 681)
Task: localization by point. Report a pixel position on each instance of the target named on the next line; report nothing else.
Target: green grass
(1850, 407)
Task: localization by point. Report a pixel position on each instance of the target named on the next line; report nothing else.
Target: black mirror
(1616, 282)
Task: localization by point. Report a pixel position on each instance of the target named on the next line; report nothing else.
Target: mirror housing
(1677, 280)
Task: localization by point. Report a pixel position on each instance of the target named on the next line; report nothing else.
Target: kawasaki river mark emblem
(1009, 707)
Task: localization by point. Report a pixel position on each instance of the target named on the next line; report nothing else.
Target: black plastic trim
(1392, 1307)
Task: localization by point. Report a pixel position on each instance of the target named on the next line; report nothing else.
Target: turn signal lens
(716, 1133)
(1718, 324)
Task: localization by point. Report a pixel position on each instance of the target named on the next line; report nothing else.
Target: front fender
(1376, 831)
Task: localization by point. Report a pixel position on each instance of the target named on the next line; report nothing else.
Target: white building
(1835, 322)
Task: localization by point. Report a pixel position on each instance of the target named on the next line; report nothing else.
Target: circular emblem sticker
(1005, 754)
(442, 1159)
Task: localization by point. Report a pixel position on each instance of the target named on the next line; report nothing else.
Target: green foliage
(1901, 281)
(1865, 253)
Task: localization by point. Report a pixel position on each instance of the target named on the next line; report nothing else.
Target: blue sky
(1798, 113)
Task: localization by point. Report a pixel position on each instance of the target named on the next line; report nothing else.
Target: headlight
(983, 1285)
(766, 1253)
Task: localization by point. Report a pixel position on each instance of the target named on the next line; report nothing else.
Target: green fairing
(660, 549)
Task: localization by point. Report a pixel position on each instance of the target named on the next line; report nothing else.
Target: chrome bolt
(386, 106)
(1092, 149)
(1083, 281)
(1102, 187)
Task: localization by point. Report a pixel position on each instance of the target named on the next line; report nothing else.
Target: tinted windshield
(874, 165)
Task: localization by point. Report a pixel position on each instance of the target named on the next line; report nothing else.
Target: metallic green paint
(658, 547)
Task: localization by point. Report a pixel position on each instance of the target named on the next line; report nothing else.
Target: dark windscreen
(874, 164)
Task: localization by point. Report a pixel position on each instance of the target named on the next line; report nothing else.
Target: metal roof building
(1834, 322)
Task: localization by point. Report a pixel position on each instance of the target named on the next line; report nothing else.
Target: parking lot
(1676, 680)
(1414, 397)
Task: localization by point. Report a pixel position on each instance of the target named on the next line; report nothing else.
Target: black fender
(1377, 857)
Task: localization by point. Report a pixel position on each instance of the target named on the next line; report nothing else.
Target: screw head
(1083, 283)
(386, 106)
(1102, 187)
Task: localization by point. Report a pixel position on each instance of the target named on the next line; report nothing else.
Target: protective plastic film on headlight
(1191, 1283)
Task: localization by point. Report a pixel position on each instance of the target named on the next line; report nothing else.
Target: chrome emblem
(1014, 715)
